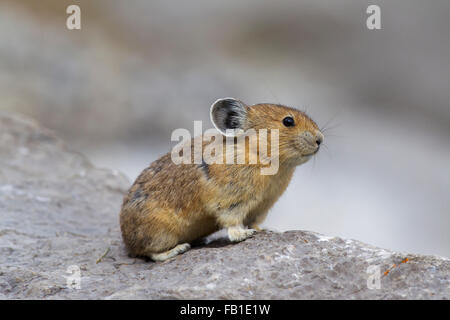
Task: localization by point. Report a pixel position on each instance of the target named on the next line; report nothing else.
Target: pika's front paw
(182, 248)
(237, 234)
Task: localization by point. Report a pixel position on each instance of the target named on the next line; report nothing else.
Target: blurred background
(137, 70)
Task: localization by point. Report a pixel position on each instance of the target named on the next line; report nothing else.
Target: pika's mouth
(312, 153)
(311, 144)
(307, 152)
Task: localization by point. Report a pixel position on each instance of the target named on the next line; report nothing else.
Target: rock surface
(59, 213)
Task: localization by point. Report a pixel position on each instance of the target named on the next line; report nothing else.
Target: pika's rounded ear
(228, 114)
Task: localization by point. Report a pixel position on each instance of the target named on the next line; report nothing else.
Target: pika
(171, 205)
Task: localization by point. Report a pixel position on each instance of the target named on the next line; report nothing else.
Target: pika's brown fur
(170, 205)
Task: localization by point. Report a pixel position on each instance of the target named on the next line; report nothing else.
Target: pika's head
(299, 135)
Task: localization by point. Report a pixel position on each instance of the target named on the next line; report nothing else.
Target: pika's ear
(228, 113)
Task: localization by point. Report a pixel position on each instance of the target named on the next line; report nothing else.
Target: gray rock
(60, 214)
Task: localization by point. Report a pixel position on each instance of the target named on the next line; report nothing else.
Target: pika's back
(166, 183)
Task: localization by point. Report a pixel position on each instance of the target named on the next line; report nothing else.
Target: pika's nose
(319, 138)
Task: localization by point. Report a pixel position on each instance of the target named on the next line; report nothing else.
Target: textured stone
(58, 211)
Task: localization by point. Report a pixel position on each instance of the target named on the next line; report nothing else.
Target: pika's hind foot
(255, 227)
(179, 249)
(238, 233)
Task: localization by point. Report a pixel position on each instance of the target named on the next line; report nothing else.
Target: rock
(59, 220)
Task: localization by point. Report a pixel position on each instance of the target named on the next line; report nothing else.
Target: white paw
(181, 248)
(237, 234)
(162, 256)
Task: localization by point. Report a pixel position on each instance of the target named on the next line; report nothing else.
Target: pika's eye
(288, 122)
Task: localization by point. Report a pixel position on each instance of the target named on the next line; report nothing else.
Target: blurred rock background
(137, 70)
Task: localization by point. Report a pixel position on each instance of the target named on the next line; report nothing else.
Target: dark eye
(288, 122)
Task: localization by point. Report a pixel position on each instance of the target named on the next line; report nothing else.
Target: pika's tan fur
(171, 205)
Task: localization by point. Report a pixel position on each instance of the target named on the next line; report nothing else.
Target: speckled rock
(60, 239)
